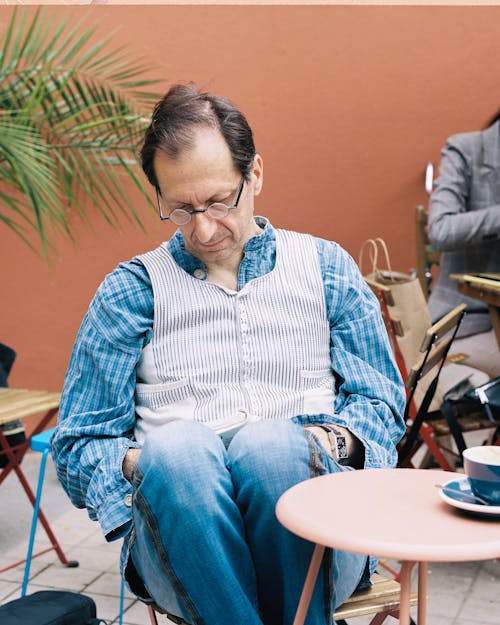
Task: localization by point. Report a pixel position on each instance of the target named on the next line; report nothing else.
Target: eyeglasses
(216, 210)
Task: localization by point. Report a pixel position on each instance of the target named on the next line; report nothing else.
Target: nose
(204, 227)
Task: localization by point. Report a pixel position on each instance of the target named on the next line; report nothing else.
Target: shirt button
(201, 274)
(127, 500)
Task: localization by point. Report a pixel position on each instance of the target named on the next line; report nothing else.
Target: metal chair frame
(18, 404)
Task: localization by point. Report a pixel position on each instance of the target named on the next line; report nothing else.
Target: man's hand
(129, 462)
(355, 449)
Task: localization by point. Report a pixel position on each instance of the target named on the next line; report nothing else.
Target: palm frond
(71, 115)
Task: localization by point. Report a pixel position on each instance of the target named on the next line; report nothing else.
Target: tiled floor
(459, 594)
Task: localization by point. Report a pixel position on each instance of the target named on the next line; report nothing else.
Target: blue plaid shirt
(97, 415)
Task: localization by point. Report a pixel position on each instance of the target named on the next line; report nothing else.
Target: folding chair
(433, 418)
(457, 414)
(434, 353)
(426, 255)
(18, 404)
(381, 600)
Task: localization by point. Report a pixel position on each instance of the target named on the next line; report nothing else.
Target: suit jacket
(464, 220)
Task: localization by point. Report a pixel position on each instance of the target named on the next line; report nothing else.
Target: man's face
(199, 176)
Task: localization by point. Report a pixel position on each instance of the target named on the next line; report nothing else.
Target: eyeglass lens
(217, 210)
(180, 217)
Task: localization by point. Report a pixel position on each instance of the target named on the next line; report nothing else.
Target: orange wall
(347, 104)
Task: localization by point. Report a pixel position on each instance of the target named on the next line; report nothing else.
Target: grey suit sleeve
(464, 207)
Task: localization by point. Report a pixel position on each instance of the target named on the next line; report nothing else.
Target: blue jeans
(205, 543)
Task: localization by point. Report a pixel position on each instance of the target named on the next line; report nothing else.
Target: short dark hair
(180, 111)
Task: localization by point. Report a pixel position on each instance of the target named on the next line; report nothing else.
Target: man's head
(184, 110)
(199, 154)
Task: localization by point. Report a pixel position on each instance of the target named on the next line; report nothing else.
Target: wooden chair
(434, 348)
(427, 256)
(431, 420)
(457, 415)
(18, 404)
(381, 600)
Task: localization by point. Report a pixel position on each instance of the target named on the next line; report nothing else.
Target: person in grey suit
(464, 224)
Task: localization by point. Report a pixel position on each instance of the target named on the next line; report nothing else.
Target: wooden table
(394, 513)
(18, 404)
(485, 287)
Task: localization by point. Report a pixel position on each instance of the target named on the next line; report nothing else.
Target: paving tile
(69, 537)
(108, 584)
(17, 574)
(97, 559)
(446, 580)
(487, 583)
(108, 607)
(481, 611)
(436, 620)
(465, 569)
(96, 539)
(7, 589)
(17, 553)
(492, 567)
(163, 620)
(137, 614)
(441, 605)
(64, 579)
(76, 517)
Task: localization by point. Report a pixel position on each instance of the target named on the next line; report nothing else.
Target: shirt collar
(254, 248)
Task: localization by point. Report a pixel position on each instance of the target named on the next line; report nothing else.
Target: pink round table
(394, 513)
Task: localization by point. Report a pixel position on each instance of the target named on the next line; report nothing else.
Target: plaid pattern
(97, 413)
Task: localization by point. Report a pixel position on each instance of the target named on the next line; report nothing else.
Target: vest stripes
(219, 356)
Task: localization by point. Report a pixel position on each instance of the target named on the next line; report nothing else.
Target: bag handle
(374, 245)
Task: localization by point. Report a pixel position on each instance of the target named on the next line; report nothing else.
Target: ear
(258, 174)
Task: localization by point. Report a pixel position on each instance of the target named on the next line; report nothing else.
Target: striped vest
(219, 356)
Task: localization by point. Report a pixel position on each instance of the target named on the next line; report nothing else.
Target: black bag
(14, 431)
(50, 607)
(489, 395)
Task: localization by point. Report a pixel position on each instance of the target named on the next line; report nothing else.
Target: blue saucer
(460, 499)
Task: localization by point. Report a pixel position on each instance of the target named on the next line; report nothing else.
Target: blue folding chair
(41, 443)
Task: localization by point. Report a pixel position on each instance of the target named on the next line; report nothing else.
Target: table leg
(307, 591)
(404, 598)
(422, 593)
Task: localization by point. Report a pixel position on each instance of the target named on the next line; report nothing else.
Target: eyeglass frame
(237, 197)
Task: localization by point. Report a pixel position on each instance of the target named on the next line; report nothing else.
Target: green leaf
(72, 110)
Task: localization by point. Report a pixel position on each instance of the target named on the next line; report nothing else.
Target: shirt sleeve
(370, 396)
(97, 417)
(452, 224)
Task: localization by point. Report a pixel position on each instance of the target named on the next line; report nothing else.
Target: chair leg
(122, 599)
(14, 455)
(36, 509)
(38, 514)
(430, 441)
(389, 569)
(378, 619)
(455, 431)
(152, 616)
